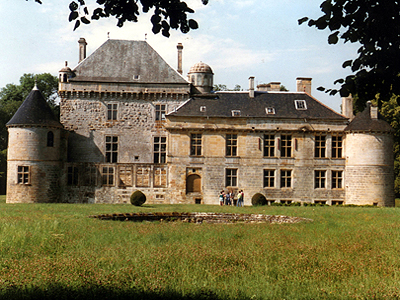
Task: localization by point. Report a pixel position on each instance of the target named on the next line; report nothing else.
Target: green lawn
(50, 251)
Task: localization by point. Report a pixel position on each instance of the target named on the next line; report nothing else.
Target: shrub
(258, 199)
(138, 198)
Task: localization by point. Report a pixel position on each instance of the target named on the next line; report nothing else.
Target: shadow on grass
(99, 292)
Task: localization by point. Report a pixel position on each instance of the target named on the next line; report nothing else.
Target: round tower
(36, 151)
(369, 173)
(201, 77)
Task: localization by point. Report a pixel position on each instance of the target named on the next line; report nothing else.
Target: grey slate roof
(221, 104)
(34, 111)
(363, 122)
(121, 60)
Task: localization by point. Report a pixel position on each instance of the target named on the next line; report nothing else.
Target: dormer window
(203, 108)
(270, 110)
(300, 104)
(136, 77)
(235, 113)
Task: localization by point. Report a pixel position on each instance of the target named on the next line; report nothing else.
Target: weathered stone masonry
(131, 122)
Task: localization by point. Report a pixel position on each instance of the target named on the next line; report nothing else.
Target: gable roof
(122, 60)
(364, 122)
(34, 111)
(221, 104)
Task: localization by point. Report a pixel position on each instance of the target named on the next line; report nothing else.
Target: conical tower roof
(34, 111)
(364, 122)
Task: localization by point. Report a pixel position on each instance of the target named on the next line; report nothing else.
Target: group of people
(228, 198)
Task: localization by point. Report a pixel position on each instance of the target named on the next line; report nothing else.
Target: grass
(52, 251)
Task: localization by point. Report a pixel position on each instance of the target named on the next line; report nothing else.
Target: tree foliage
(375, 25)
(390, 110)
(222, 87)
(166, 14)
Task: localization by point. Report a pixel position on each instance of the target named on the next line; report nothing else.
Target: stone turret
(369, 160)
(201, 77)
(36, 152)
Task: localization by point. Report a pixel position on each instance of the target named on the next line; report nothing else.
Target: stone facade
(131, 122)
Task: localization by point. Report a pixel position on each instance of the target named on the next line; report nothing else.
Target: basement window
(300, 104)
(235, 113)
(270, 110)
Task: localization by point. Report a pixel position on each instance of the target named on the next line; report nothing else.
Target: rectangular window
(160, 149)
(320, 179)
(72, 175)
(300, 104)
(286, 145)
(160, 112)
(112, 112)
(231, 177)
(269, 178)
(111, 149)
(125, 176)
(337, 178)
(143, 176)
(320, 146)
(195, 144)
(90, 175)
(270, 110)
(337, 146)
(160, 176)
(107, 176)
(231, 145)
(286, 178)
(23, 175)
(269, 145)
(235, 113)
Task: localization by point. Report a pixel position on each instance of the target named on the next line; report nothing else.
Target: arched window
(50, 139)
(193, 184)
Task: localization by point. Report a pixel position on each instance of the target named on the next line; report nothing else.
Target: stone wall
(30, 156)
(135, 128)
(250, 162)
(369, 169)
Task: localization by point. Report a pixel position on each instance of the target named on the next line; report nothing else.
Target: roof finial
(35, 88)
(108, 35)
(145, 36)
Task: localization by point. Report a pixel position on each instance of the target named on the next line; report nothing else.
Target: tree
(390, 110)
(12, 96)
(222, 87)
(376, 26)
(166, 14)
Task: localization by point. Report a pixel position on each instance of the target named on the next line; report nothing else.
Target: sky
(236, 38)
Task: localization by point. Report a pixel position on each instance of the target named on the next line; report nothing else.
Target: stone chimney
(267, 87)
(304, 85)
(373, 111)
(251, 86)
(347, 107)
(82, 49)
(180, 48)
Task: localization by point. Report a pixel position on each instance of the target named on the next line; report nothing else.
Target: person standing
(240, 199)
(228, 198)
(221, 198)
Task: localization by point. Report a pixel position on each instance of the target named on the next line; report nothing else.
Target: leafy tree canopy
(376, 26)
(223, 87)
(166, 14)
(390, 110)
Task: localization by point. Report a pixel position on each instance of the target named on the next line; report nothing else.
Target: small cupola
(64, 73)
(201, 77)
